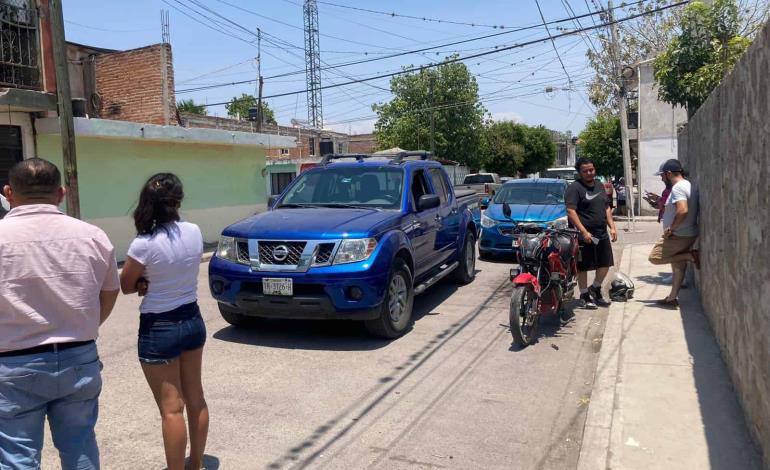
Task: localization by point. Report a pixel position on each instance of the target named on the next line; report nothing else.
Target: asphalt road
(452, 393)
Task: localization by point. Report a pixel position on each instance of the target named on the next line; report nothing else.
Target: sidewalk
(662, 398)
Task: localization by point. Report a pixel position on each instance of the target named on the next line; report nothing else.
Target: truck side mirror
(428, 201)
(506, 210)
(271, 202)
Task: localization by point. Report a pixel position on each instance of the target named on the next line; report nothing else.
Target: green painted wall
(111, 172)
(282, 168)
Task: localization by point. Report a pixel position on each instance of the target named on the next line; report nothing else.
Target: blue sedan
(538, 200)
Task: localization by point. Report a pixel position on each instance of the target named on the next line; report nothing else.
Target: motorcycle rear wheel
(523, 316)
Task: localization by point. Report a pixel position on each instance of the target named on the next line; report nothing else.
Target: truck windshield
(561, 173)
(530, 194)
(478, 179)
(371, 187)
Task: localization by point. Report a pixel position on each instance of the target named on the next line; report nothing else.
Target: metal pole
(621, 97)
(66, 121)
(432, 119)
(259, 80)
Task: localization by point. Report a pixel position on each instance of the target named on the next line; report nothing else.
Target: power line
(553, 43)
(417, 51)
(421, 18)
(473, 56)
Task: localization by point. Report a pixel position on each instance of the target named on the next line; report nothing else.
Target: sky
(526, 84)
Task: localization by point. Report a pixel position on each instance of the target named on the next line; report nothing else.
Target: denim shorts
(163, 337)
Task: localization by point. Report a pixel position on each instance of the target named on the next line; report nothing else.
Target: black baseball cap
(670, 165)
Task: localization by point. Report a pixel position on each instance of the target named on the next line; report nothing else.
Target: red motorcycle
(545, 278)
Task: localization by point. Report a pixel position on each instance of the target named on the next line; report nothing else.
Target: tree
(239, 108)
(458, 115)
(539, 150)
(698, 58)
(648, 36)
(189, 106)
(503, 147)
(600, 141)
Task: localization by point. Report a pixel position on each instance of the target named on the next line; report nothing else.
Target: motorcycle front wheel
(523, 316)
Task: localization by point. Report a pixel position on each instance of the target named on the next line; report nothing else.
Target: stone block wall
(726, 147)
(130, 85)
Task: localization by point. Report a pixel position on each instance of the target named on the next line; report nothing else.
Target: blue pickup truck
(355, 238)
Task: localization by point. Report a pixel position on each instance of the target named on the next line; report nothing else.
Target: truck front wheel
(396, 313)
(235, 318)
(466, 272)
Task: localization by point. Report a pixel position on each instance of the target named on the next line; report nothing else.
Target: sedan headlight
(488, 222)
(226, 249)
(559, 223)
(354, 250)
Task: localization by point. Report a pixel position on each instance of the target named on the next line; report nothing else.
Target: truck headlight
(353, 250)
(559, 223)
(488, 222)
(226, 249)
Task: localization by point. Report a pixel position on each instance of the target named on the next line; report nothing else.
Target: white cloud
(360, 127)
(506, 116)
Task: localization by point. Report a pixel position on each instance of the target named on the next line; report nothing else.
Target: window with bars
(19, 51)
(279, 181)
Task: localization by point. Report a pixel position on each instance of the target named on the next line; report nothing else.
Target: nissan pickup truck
(357, 238)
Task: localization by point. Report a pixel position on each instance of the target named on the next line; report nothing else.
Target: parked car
(348, 240)
(538, 200)
(567, 173)
(481, 183)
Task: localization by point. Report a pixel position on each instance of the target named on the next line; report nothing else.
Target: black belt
(45, 348)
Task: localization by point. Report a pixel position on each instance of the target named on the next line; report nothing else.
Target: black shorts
(594, 256)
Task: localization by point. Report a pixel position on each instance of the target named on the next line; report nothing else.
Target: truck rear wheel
(396, 313)
(235, 318)
(466, 272)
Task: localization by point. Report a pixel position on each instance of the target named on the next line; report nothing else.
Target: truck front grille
(242, 251)
(272, 252)
(324, 255)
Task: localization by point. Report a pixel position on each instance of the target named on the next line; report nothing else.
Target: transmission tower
(313, 65)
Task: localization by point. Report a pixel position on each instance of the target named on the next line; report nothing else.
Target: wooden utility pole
(620, 93)
(65, 109)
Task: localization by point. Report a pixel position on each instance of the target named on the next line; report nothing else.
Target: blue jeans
(62, 385)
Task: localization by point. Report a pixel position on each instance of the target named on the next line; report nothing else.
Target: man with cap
(680, 229)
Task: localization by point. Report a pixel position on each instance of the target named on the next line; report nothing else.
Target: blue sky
(513, 84)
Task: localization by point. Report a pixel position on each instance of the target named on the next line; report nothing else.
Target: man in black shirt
(589, 212)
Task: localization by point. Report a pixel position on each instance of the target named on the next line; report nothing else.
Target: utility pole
(66, 121)
(432, 119)
(621, 97)
(260, 118)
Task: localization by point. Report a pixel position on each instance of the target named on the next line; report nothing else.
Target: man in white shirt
(680, 230)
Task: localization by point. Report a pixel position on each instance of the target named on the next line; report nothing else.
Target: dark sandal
(673, 303)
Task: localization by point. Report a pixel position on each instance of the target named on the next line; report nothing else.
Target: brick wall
(129, 83)
(725, 148)
(342, 142)
(363, 143)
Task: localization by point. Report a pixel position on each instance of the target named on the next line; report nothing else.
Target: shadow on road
(328, 335)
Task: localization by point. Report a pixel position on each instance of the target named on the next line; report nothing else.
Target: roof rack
(396, 158)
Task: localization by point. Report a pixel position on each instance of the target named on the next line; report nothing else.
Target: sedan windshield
(345, 187)
(530, 194)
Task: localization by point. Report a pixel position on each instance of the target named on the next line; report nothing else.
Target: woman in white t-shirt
(162, 266)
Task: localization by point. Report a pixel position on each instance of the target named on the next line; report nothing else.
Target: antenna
(164, 28)
(313, 64)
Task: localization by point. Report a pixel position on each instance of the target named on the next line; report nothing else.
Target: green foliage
(601, 142)
(503, 147)
(405, 120)
(539, 150)
(239, 108)
(508, 147)
(697, 59)
(189, 106)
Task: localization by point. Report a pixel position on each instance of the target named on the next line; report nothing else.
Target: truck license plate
(277, 286)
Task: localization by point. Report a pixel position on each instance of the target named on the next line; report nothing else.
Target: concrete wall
(657, 133)
(223, 179)
(725, 147)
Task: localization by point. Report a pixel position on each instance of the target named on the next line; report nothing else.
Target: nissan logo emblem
(280, 252)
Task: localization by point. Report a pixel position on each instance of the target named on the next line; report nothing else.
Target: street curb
(207, 256)
(597, 432)
(638, 218)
